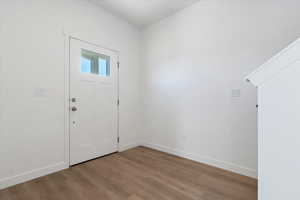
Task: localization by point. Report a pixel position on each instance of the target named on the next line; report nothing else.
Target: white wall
(32, 80)
(279, 140)
(191, 63)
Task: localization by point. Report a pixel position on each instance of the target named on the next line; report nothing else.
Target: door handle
(74, 109)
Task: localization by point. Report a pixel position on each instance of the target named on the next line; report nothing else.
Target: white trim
(68, 36)
(35, 173)
(260, 142)
(277, 63)
(206, 160)
(27, 176)
(118, 109)
(67, 99)
(128, 146)
(71, 34)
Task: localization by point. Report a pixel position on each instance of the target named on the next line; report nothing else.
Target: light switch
(236, 93)
(40, 92)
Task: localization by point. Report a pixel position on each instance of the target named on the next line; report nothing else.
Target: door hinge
(118, 102)
(118, 139)
(118, 65)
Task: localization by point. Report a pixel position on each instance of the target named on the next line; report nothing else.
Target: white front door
(93, 101)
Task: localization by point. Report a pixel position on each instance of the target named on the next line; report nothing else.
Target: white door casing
(93, 105)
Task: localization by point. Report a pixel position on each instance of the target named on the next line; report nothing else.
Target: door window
(95, 63)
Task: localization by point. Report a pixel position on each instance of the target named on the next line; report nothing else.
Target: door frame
(67, 66)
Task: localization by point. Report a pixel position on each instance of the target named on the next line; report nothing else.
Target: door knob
(74, 109)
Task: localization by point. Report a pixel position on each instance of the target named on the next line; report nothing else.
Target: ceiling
(143, 12)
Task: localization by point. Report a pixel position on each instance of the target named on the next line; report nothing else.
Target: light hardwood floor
(137, 174)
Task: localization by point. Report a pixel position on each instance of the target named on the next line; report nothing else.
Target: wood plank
(137, 174)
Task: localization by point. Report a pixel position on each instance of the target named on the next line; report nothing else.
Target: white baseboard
(128, 146)
(27, 176)
(206, 160)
